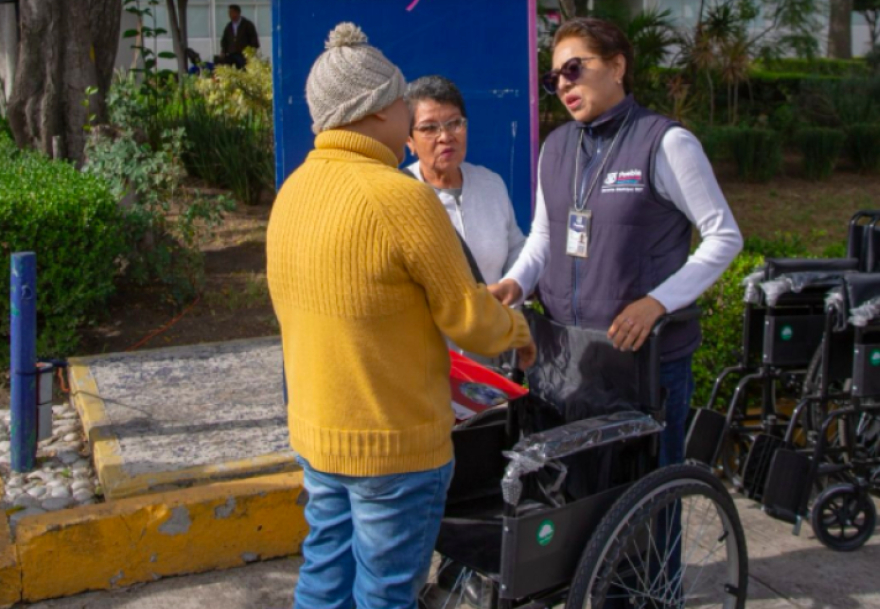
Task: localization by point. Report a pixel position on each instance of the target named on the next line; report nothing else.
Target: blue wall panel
(487, 47)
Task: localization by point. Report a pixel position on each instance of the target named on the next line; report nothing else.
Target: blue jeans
(371, 539)
(677, 379)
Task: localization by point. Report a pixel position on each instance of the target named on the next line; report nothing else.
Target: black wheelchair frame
(775, 359)
(501, 500)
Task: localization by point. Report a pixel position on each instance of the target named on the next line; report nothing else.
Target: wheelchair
(559, 498)
(846, 451)
(783, 324)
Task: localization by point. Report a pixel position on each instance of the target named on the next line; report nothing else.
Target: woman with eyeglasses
(475, 198)
(619, 190)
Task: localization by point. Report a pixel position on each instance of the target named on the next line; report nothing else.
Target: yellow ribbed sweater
(366, 275)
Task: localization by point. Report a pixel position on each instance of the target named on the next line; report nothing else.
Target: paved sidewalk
(787, 572)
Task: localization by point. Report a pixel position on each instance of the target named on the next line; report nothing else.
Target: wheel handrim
(709, 572)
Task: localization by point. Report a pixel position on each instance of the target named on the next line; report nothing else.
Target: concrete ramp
(171, 418)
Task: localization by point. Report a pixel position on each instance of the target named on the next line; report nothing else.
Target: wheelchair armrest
(682, 315)
(537, 450)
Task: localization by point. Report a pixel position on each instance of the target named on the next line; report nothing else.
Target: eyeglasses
(433, 130)
(571, 69)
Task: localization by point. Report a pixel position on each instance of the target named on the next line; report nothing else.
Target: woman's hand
(631, 328)
(507, 291)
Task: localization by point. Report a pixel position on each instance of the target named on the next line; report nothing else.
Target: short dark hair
(604, 38)
(236, 8)
(433, 88)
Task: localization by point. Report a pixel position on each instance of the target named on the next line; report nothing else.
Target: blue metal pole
(23, 343)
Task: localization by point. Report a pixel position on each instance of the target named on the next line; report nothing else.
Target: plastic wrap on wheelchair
(521, 511)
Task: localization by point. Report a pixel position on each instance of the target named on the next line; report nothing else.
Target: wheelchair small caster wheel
(843, 518)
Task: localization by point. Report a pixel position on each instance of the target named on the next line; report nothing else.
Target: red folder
(475, 388)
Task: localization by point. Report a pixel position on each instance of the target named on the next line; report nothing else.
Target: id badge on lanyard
(578, 241)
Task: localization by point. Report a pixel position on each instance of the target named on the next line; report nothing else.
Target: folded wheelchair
(844, 460)
(783, 322)
(559, 499)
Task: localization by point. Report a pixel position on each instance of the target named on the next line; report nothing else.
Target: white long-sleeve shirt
(682, 174)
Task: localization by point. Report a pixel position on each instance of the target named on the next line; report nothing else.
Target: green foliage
(819, 66)
(757, 153)
(722, 307)
(782, 245)
(821, 148)
(70, 219)
(165, 226)
(863, 146)
(5, 129)
(716, 141)
(840, 102)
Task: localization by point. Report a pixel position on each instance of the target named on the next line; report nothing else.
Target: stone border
(106, 453)
(140, 539)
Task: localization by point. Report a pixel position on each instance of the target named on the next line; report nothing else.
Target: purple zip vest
(638, 239)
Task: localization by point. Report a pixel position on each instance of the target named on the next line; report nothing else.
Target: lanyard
(577, 163)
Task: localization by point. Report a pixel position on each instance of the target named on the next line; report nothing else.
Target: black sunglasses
(571, 69)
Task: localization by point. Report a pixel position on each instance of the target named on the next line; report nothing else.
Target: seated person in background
(474, 197)
(240, 33)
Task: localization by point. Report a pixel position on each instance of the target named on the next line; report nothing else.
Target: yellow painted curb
(10, 572)
(115, 481)
(139, 539)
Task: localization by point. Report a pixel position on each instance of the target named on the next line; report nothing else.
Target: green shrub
(722, 307)
(230, 152)
(716, 141)
(757, 152)
(840, 102)
(816, 66)
(863, 146)
(782, 245)
(821, 148)
(70, 219)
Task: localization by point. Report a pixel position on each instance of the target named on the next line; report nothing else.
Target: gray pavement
(786, 572)
(219, 403)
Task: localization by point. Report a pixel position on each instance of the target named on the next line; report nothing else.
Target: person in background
(239, 34)
(474, 197)
(619, 190)
(367, 275)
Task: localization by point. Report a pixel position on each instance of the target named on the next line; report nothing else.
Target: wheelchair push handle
(680, 316)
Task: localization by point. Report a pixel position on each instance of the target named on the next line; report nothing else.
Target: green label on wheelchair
(546, 530)
(875, 357)
(786, 333)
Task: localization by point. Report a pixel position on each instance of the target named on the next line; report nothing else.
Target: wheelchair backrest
(863, 240)
(580, 374)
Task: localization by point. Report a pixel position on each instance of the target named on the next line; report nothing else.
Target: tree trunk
(840, 29)
(8, 52)
(176, 37)
(66, 46)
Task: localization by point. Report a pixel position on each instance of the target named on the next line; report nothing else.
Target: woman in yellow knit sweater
(367, 276)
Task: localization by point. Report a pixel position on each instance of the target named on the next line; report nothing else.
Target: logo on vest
(623, 181)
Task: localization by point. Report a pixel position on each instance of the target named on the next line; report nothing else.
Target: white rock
(59, 492)
(25, 501)
(58, 409)
(5, 446)
(82, 474)
(83, 495)
(71, 437)
(81, 484)
(81, 464)
(57, 503)
(16, 480)
(65, 429)
(55, 483)
(37, 491)
(12, 493)
(67, 457)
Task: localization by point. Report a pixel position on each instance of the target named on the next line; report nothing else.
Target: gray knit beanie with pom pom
(350, 80)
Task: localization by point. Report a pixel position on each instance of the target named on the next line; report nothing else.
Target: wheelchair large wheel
(843, 519)
(637, 560)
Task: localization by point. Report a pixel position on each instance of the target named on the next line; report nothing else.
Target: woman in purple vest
(619, 190)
